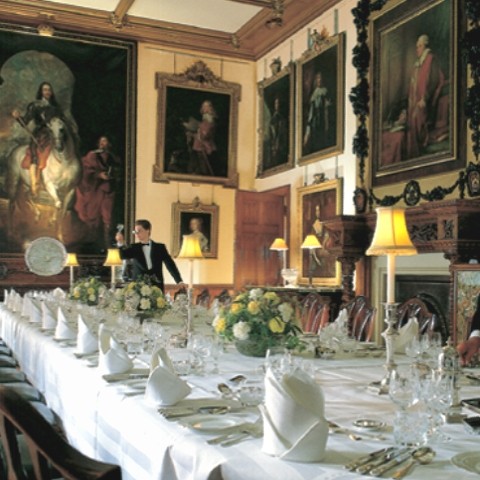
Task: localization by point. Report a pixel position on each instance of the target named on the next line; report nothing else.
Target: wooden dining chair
(314, 313)
(203, 298)
(361, 318)
(49, 454)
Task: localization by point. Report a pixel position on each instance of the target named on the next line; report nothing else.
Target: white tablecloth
(106, 424)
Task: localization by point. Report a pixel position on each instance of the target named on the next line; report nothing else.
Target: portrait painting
(318, 203)
(200, 221)
(416, 124)
(276, 120)
(66, 141)
(320, 87)
(466, 299)
(197, 127)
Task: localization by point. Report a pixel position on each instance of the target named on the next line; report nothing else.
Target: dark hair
(39, 96)
(145, 224)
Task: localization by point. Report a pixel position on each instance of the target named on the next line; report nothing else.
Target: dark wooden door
(260, 218)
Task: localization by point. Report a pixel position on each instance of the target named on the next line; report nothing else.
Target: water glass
(410, 428)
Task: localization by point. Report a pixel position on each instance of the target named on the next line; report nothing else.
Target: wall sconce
(45, 30)
(190, 251)
(311, 243)
(391, 238)
(71, 262)
(113, 260)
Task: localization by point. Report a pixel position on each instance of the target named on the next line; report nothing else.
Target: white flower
(255, 293)
(286, 311)
(241, 330)
(145, 304)
(92, 298)
(146, 290)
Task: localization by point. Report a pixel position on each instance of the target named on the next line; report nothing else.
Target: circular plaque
(46, 256)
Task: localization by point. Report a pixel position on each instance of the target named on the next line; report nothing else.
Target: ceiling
(239, 28)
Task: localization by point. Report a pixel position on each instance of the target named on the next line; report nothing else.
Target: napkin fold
(35, 312)
(295, 427)
(87, 342)
(342, 317)
(406, 334)
(26, 306)
(112, 358)
(59, 293)
(63, 330)
(164, 386)
(49, 322)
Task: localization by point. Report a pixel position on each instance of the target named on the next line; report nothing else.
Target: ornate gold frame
(191, 88)
(328, 196)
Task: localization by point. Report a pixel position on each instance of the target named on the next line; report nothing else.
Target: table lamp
(113, 260)
(281, 247)
(391, 238)
(311, 243)
(190, 250)
(71, 262)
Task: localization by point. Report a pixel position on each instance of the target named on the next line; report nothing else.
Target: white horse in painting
(60, 175)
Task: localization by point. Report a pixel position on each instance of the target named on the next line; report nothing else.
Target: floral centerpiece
(140, 298)
(257, 320)
(88, 290)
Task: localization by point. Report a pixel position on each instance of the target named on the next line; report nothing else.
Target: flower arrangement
(264, 318)
(88, 290)
(140, 296)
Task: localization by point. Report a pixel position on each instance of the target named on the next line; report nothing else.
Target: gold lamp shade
(72, 260)
(391, 234)
(190, 247)
(113, 258)
(311, 242)
(279, 244)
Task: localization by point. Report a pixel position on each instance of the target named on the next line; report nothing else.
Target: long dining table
(111, 422)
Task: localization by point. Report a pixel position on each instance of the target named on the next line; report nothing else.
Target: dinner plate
(468, 461)
(212, 423)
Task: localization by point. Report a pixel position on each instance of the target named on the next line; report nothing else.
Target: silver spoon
(237, 379)
(422, 455)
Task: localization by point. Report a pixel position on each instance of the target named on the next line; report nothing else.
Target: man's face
(141, 234)
(420, 48)
(103, 143)
(47, 92)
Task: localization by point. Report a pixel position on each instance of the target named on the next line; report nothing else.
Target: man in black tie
(148, 257)
(470, 347)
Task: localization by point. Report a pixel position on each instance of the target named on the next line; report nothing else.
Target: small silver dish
(368, 424)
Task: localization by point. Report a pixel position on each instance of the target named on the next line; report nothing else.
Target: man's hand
(468, 349)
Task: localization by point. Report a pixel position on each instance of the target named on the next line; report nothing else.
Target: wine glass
(439, 389)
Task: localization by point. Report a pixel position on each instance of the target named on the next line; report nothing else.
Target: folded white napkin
(342, 317)
(17, 303)
(295, 427)
(5, 296)
(87, 342)
(63, 330)
(49, 322)
(113, 358)
(59, 293)
(26, 306)
(164, 386)
(406, 334)
(35, 312)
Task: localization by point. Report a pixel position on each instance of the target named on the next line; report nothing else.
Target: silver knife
(376, 462)
(367, 458)
(377, 471)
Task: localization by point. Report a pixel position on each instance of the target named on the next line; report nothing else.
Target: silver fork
(238, 434)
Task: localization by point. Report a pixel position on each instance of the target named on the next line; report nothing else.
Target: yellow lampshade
(391, 236)
(190, 247)
(311, 242)
(72, 260)
(279, 244)
(113, 258)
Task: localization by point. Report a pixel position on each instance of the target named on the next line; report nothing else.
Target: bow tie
(146, 244)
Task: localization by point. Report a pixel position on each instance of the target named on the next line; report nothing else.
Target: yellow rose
(253, 307)
(90, 290)
(220, 325)
(276, 325)
(76, 293)
(236, 308)
(161, 302)
(271, 297)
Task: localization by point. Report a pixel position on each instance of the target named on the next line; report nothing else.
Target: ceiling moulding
(251, 42)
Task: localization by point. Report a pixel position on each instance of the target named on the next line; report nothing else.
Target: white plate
(213, 423)
(468, 461)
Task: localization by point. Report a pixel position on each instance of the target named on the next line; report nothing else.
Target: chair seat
(4, 350)
(26, 391)
(7, 361)
(10, 375)
(45, 411)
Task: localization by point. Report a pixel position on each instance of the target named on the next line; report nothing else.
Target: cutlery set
(381, 461)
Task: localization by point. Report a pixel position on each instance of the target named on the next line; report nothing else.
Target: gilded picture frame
(318, 203)
(417, 127)
(197, 124)
(321, 100)
(276, 147)
(199, 220)
(466, 291)
(92, 83)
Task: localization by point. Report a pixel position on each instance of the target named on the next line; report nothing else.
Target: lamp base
(389, 335)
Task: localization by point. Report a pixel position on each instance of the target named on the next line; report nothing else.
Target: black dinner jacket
(476, 319)
(159, 256)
